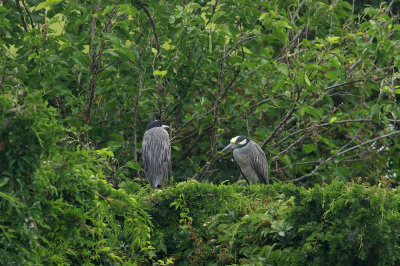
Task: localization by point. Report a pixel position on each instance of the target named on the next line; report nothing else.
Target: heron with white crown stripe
(250, 158)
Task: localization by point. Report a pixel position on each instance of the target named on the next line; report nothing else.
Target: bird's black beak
(229, 147)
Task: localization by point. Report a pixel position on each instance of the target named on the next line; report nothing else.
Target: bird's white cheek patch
(234, 139)
(242, 142)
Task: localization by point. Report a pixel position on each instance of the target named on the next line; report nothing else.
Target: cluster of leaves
(346, 224)
(56, 206)
(314, 82)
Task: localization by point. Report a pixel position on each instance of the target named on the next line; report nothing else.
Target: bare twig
(296, 13)
(283, 121)
(367, 142)
(3, 76)
(290, 146)
(321, 125)
(241, 40)
(94, 64)
(153, 25)
(21, 15)
(194, 117)
(343, 151)
(212, 14)
(135, 109)
(29, 14)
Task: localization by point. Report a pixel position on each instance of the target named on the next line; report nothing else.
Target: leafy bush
(56, 206)
(347, 224)
(279, 224)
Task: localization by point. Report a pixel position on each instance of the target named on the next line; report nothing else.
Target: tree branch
(316, 169)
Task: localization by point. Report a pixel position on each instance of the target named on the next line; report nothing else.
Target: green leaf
(46, 4)
(313, 67)
(375, 112)
(129, 9)
(114, 145)
(160, 73)
(333, 39)
(133, 165)
(247, 51)
(326, 141)
(4, 181)
(166, 46)
(332, 120)
(307, 80)
(308, 148)
(283, 68)
(193, 5)
(316, 112)
(286, 160)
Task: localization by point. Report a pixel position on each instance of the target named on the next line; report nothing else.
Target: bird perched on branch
(250, 158)
(156, 148)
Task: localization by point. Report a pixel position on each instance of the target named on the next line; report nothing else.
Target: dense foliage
(315, 83)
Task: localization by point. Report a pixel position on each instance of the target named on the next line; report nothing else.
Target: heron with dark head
(250, 158)
(156, 148)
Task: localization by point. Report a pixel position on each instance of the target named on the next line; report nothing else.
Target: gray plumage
(156, 150)
(250, 158)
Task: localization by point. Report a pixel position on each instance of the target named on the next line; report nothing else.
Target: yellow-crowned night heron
(156, 148)
(250, 158)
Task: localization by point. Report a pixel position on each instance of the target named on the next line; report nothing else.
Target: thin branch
(193, 118)
(136, 106)
(212, 14)
(29, 14)
(288, 148)
(296, 13)
(247, 37)
(21, 16)
(283, 121)
(301, 163)
(3, 76)
(367, 142)
(321, 125)
(342, 151)
(189, 83)
(153, 25)
(94, 64)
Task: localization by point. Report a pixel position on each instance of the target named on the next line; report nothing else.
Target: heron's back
(156, 149)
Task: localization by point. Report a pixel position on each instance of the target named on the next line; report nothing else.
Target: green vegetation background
(314, 82)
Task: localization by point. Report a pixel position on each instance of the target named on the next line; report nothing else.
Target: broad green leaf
(160, 73)
(133, 165)
(333, 39)
(308, 148)
(283, 68)
(332, 120)
(4, 181)
(247, 51)
(286, 160)
(46, 4)
(166, 46)
(129, 9)
(375, 112)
